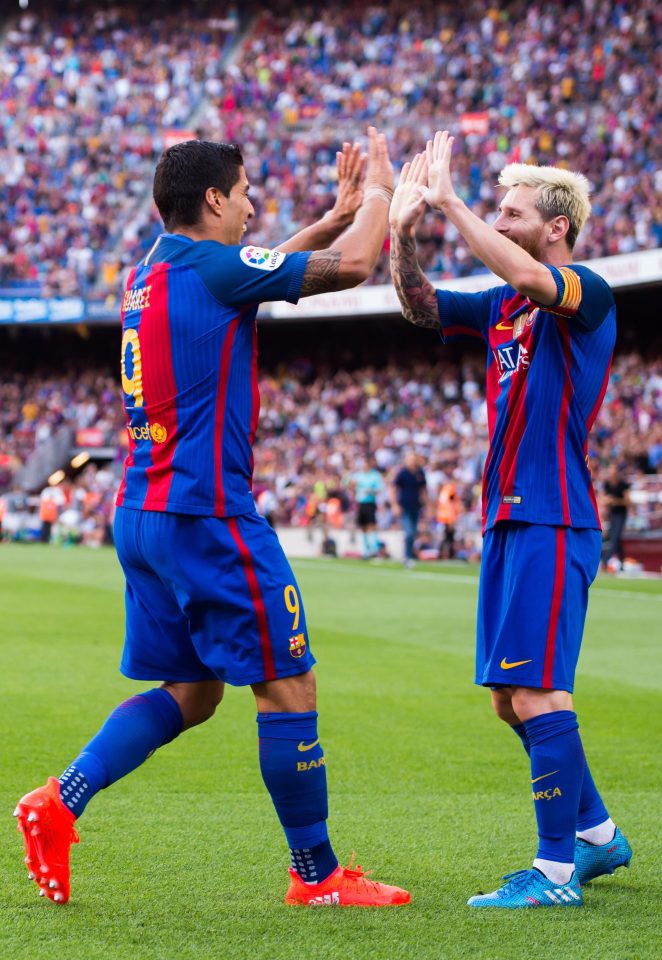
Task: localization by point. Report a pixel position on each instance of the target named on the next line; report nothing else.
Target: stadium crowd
(318, 428)
(88, 103)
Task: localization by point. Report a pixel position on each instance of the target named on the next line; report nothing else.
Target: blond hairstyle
(559, 193)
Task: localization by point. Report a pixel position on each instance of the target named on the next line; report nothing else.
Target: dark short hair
(184, 173)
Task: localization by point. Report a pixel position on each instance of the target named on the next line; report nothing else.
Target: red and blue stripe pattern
(547, 371)
(189, 361)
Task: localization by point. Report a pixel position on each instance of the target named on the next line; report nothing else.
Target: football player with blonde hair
(549, 330)
(558, 193)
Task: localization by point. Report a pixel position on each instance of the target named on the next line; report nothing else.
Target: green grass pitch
(185, 858)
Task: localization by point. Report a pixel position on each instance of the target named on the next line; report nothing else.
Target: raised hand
(440, 185)
(351, 164)
(408, 204)
(379, 169)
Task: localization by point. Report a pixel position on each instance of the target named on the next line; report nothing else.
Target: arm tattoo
(321, 275)
(416, 294)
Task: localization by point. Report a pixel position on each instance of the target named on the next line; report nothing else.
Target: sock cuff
(287, 726)
(520, 730)
(303, 838)
(169, 711)
(548, 725)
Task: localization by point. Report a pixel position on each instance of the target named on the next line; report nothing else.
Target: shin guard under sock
(293, 769)
(131, 734)
(592, 810)
(557, 771)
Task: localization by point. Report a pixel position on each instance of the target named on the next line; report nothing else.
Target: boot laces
(358, 874)
(518, 878)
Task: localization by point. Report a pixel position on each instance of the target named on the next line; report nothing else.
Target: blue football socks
(557, 771)
(293, 769)
(130, 735)
(592, 810)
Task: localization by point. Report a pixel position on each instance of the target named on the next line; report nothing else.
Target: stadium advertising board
(623, 271)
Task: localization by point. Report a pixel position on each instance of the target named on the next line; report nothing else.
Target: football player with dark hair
(210, 596)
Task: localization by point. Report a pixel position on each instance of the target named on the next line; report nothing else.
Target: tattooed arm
(415, 292)
(352, 257)
(322, 272)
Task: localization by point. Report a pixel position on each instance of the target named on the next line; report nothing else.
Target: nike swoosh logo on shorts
(307, 746)
(509, 666)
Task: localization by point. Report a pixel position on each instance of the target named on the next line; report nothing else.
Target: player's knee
(197, 701)
(296, 694)
(531, 702)
(503, 706)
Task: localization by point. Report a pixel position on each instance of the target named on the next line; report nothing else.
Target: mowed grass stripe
(185, 858)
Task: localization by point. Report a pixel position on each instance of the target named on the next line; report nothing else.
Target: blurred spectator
(448, 512)
(368, 483)
(267, 505)
(615, 494)
(91, 94)
(409, 497)
(317, 424)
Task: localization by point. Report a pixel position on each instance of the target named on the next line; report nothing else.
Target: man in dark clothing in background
(408, 499)
(617, 499)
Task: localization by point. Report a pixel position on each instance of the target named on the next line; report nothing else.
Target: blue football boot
(593, 860)
(531, 888)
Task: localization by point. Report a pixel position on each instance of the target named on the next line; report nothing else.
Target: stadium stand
(89, 102)
(316, 427)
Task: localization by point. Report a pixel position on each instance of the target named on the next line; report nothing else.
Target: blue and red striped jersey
(547, 372)
(189, 372)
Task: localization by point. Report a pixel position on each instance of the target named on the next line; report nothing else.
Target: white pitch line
(462, 579)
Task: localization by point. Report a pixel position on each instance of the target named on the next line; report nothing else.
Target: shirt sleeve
(583, 296)
(240, 275)
(464, 314)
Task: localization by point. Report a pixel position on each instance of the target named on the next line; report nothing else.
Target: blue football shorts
(532, 602)
(208, 599)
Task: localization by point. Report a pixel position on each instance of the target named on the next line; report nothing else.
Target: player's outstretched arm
(498, 253)
(352, 257)
(350, 162)
(415, 292)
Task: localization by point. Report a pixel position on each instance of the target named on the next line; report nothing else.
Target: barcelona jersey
(189, 372)
(547, 373)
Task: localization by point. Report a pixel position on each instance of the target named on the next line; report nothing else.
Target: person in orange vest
(448, 511)
(48, 514)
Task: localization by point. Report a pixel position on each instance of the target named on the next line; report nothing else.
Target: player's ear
(214, 200)
(558, 228)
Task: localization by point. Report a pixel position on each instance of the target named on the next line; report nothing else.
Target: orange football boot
(48, 832)
(345, 887)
